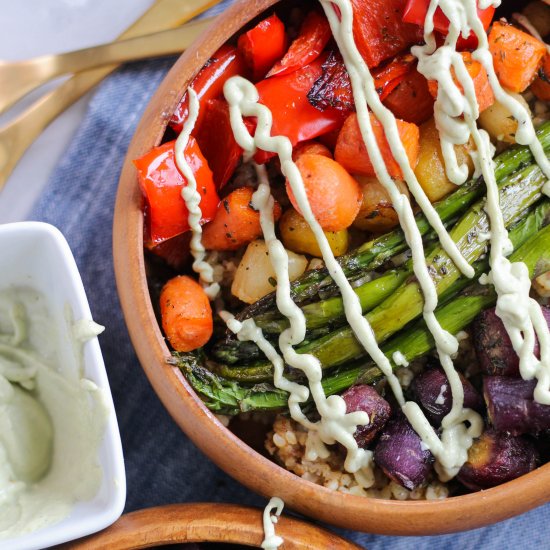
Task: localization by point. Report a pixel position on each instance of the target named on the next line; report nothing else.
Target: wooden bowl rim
(220, 444)
(207, 522)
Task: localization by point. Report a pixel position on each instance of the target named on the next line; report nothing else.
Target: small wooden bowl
(221, 523)
(226, 449)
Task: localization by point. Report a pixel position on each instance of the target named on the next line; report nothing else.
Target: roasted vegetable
(236, 222)
(186, 314)
(255, 276)
(333, 195)
(263, 45)
(511, 406)
(352, 153)
(432, 391)
(516, 56)
(430, 169)
(494, 349)
(161, 182)
(499, 122)
(208, 84)
(307, 46)
(401, 454)
(379, 29)
(297, 236)
(496, 458)
(366, 399)
(377, 213)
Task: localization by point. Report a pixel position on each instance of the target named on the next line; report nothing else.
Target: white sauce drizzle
(451, 450)
(192, 200)
(271, 540)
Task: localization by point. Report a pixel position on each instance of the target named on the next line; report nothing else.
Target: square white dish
(36, 255)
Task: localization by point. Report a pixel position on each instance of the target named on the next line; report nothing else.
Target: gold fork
(18, 135)
(21, 77)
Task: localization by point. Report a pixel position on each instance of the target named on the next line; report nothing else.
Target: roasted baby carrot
(516, 56)
(484, 93)
(186, 314)
(236, 222)
(334, 196)
(352, 154)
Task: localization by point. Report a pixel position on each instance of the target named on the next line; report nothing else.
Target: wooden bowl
(218, 523)
(226, 449)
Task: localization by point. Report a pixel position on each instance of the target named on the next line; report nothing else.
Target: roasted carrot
(516, 56)
(484, 93)
(186, 314)
(541, 85)
(311, 148)
(334, 196)
(352, 154)
(236, 222)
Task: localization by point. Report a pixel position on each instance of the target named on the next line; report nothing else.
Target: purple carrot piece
(511, 406)
(494, 349)
(495, 458)
(400, 454)
(432, 392)
(367, 399)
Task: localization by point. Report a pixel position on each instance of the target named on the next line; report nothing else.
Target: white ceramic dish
(37, 255)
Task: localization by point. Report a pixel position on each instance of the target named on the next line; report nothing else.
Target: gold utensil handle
(21, 77)
(17, 136)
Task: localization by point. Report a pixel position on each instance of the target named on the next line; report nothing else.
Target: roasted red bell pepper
(293, 115)
(208, 84)
(217, 143)
(162, 182)
(263, 45)
(411, 100)
(379, 29)
(307, 47)
(333, 88)
(416, 10)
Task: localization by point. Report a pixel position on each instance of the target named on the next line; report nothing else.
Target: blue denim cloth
(162, 464)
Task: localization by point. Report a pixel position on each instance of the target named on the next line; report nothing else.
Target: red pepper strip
(333, 89)
(387, 78)
(379, 30)
(416, 10)
(293, 115)
(208, 84)
(307, 47)
(217, 143)
(162, 182)
(263, 45)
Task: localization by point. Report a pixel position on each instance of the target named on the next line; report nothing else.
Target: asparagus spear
(519, 192)
(231, 397)
(374, 253)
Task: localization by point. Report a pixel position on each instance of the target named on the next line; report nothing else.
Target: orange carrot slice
(334, 196)
(236, 222)
(484, 93)
(186, 314)
(352, 154)
(516, 56)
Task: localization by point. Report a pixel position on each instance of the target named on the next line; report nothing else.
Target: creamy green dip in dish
(52, 419)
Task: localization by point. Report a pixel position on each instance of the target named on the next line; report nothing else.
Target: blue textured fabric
(162, 464)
